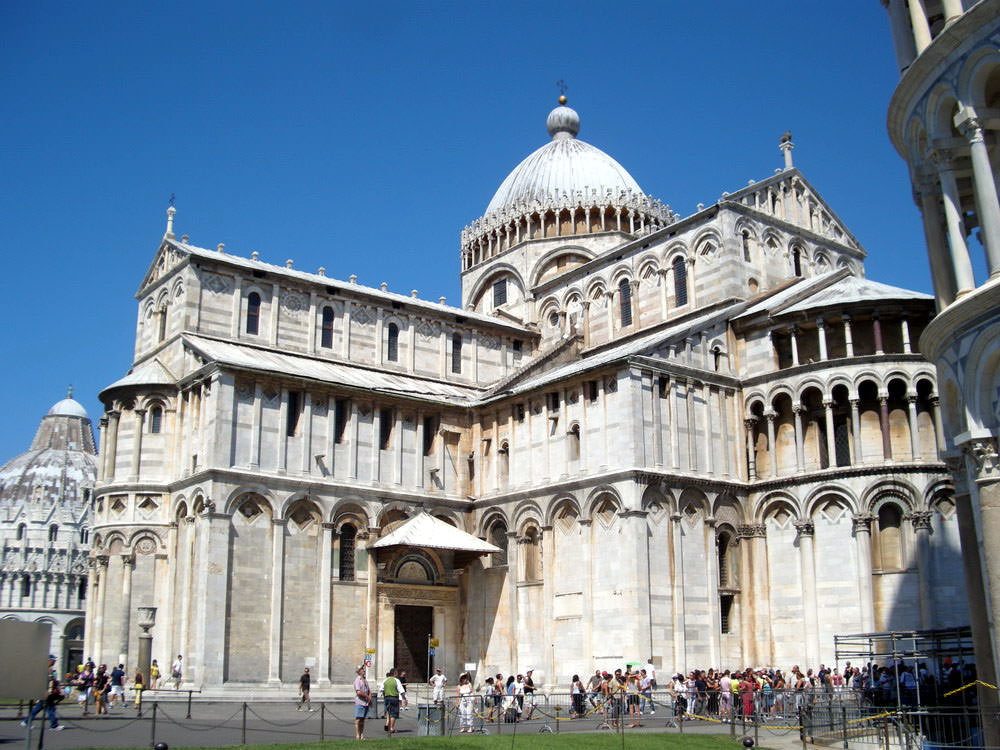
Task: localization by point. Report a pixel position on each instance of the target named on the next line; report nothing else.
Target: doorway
(413, 625)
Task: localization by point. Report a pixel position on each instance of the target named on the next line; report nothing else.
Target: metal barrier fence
(811, 716)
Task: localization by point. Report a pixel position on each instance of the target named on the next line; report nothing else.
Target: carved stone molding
(805, 528)
(921, 520)
(862, 522)
(983, 452)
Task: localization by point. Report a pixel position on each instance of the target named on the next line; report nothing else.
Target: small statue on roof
(787, 137)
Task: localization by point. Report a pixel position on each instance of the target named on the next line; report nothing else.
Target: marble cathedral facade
(705, 440)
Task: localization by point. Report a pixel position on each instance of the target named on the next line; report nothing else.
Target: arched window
(25, 587)
(326, 335)
(348, 534)
(81, 590)
(53, 532)
(20, 531)
(797, 261)
(84, 535)
(625, 299)
(532, 555)
(392, 344)
(888, 547)
(162, 331)
(503, 458)
(456, 352)
(680, 281)
(253, 313)
(574, 443)
(498, 538)
(156, 420)
(746, 245)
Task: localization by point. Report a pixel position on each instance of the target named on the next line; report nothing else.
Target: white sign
(470, 666)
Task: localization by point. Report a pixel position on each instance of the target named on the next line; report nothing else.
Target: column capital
(983, 452)
(884, 400)
(971, 127)
(943, 159)
(128, 560)
(845, 318)
(749, 422)
(827, 403)
(770, 415)
(862, 522)
(921, 520)
(140, 414)
(805, 528)
(279, 521)
(798, 408)
(820, 323)
(102, 560)
(911, 398)
(103, 422)
(328, 525)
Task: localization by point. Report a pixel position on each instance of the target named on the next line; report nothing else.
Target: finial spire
(786, 145)
(563, 88)
(170, 217)
(69, 392)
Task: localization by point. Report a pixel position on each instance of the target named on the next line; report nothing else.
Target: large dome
(565, 166)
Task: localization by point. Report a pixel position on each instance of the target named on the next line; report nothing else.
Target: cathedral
(702, 440)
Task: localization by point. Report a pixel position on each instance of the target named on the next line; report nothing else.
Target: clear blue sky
(362, 137)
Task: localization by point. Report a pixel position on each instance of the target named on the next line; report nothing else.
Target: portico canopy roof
(424, 530)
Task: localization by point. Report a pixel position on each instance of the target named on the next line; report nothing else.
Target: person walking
(85, 684)
(305, 681)
(594, 687)
(529, 692)
(576, 690)
(117, 685)
(392, 691)
(646, 689)
(53, 695)
(102, 686)
(177, 671)
(154, 675)
(362, 701)
(138, 685)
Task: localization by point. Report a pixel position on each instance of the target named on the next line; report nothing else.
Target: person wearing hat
(437, 682)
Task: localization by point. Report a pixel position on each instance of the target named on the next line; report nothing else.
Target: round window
(554, 320)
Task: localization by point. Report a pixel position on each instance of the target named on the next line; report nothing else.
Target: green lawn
(533, 741)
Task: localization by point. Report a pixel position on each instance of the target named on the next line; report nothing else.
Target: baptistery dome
(44, 528)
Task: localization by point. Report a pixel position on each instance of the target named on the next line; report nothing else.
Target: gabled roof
(424, 530)
(343, 286)
(248, 357)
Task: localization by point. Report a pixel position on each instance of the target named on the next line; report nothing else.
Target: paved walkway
(215, 724)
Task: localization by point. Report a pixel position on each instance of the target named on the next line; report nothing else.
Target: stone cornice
(766, 485)
(839, 362)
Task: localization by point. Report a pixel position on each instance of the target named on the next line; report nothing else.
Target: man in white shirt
(177, 672)
(438, 681)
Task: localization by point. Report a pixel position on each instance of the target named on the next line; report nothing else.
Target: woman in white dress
(465, 704)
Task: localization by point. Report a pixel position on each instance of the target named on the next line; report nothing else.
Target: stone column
(772, 453)
(831, 434)
(714, 611)
(255, 427)
(859, 457)
(883, 418)
(97, 644)
(911, 402)
(212, 588)
(325, 560)
(677, 574)
(793, 334)
(586, 564)
(918, 22)
(806, 531)
(938, 425)
(862, 524)
(848, 340)
(800, 451)
(937, 240)
(689, 387)
(979, 614)
(662, 274)
(761, 595)
(877, 334)
(708, 463)
(674, 399)
(902, 37)
(306, 428)
(749, 424)
(961, 266)
(585, 304)
(140, 420)
(984, 184)
(821, 332)
(952, 10)
(102, 428)
(371, 618)
(921, 520)
(743, 534)
(904, 330)
(125, 617)
(513, 566)
(277, 599)
(111, 454)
